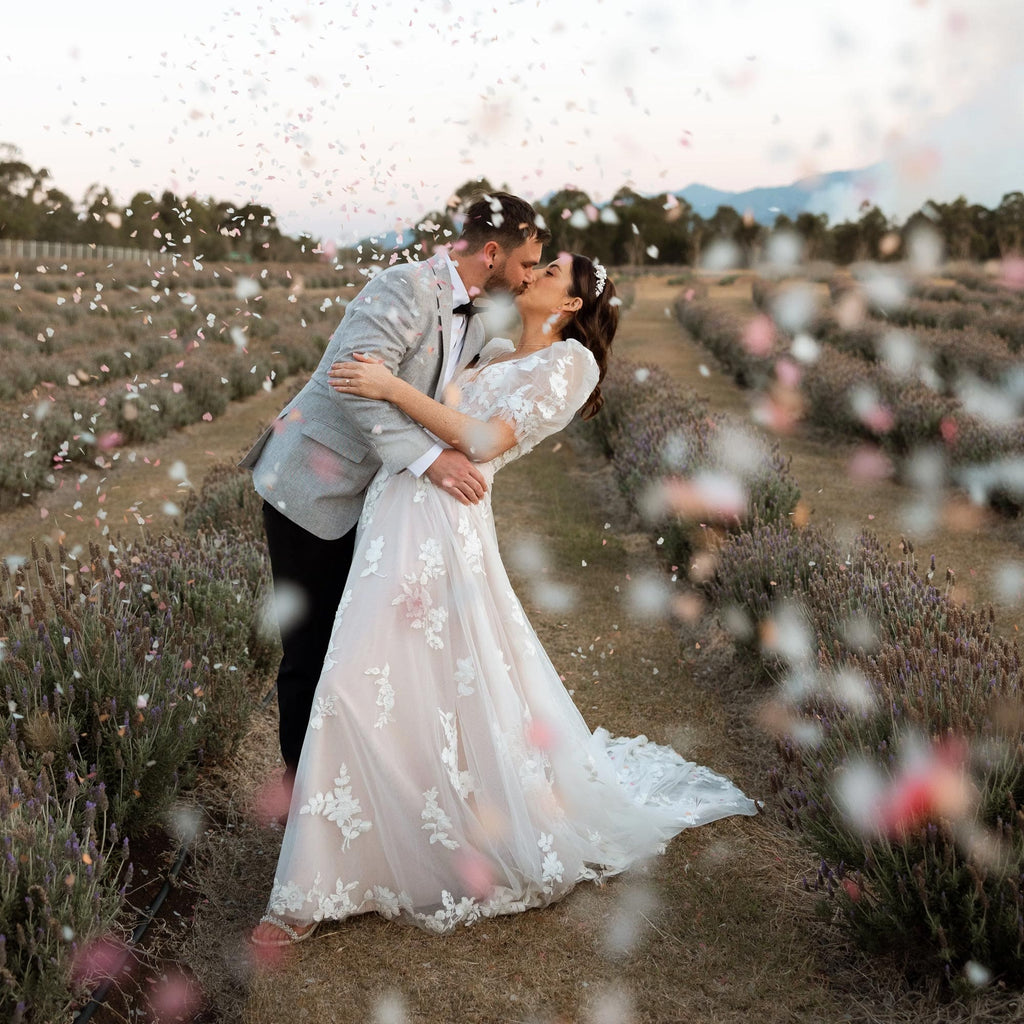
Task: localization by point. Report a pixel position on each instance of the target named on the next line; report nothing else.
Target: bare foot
(267, 933)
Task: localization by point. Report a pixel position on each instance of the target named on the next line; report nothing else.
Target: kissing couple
(440, 772)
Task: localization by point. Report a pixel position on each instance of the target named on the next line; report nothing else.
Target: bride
(446, 775)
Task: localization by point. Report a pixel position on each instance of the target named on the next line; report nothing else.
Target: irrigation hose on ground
(100, 995)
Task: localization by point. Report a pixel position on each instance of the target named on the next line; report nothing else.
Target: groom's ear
(491, 251)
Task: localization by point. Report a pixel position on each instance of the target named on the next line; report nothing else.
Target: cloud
(976, 150)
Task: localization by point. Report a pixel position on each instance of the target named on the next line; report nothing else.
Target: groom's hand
(457, 476)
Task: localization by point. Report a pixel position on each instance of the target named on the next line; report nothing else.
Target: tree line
(630, 230)
(634, 229)
(32, 207)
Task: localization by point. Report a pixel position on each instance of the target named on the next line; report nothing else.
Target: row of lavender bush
(654, 432)
(121, 336)
(72, 425)
(975, 301)
(902, 761)
(123, 670)
(126, 355)
(853, 397)
(898, 712)
(949, 338)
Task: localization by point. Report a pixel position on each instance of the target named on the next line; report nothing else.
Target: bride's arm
(480, 440)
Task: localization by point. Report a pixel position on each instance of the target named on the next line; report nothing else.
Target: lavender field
(885, 684)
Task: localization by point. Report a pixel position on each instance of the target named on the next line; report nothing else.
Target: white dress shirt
(460, 325)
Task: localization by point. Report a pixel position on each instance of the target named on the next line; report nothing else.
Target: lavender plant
(850, 392)
(121, 673)
(92, 365)
(226, 498)
(657, 434)
(62, 883)
(141, 660)
(928, 860)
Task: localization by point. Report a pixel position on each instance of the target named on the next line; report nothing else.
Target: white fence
(72, 251)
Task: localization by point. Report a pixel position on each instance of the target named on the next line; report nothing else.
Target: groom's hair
(503, 218)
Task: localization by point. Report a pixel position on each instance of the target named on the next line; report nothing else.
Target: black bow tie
(467, 309)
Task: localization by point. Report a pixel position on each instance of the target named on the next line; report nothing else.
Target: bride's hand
(367, 378)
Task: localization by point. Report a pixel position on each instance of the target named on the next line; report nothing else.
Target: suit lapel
(474, 339)
(443, 293)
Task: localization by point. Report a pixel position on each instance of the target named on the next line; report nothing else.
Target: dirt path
(972, 542)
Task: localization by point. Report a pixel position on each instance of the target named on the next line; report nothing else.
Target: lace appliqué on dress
(420, 611)
(472, 548)
(370, 499)
(465, 677)
(552, 868)
(346, 600)
(337, 904)
(385, 694)
(374, 553)
(461, 781)
(416, 597)
(323, 707)
(341, 807)
(436, 822)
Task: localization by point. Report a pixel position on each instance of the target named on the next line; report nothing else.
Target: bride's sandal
(290, 935)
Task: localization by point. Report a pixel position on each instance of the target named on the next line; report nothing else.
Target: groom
(313, 464)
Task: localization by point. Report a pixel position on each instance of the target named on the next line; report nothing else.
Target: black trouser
(314, 571)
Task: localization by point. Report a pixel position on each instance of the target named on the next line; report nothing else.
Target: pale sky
(348, 118)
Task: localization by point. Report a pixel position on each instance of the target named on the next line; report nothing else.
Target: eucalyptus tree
(1008, 224)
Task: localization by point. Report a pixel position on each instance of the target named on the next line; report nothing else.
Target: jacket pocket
(340, 442)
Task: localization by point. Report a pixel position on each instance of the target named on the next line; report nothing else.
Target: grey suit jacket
(313, 464)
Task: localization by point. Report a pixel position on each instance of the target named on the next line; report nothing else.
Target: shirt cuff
(425, 461)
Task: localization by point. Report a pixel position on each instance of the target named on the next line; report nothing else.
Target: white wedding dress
(446, 774)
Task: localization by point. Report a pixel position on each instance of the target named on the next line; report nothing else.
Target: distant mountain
(838, 194)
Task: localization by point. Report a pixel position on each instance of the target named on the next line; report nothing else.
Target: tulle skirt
(446, 774)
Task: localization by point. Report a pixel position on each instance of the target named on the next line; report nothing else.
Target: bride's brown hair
(594, 323)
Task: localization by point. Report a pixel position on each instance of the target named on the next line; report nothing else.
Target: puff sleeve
(543, 392)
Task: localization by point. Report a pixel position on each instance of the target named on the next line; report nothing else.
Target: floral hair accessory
(601, 274)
